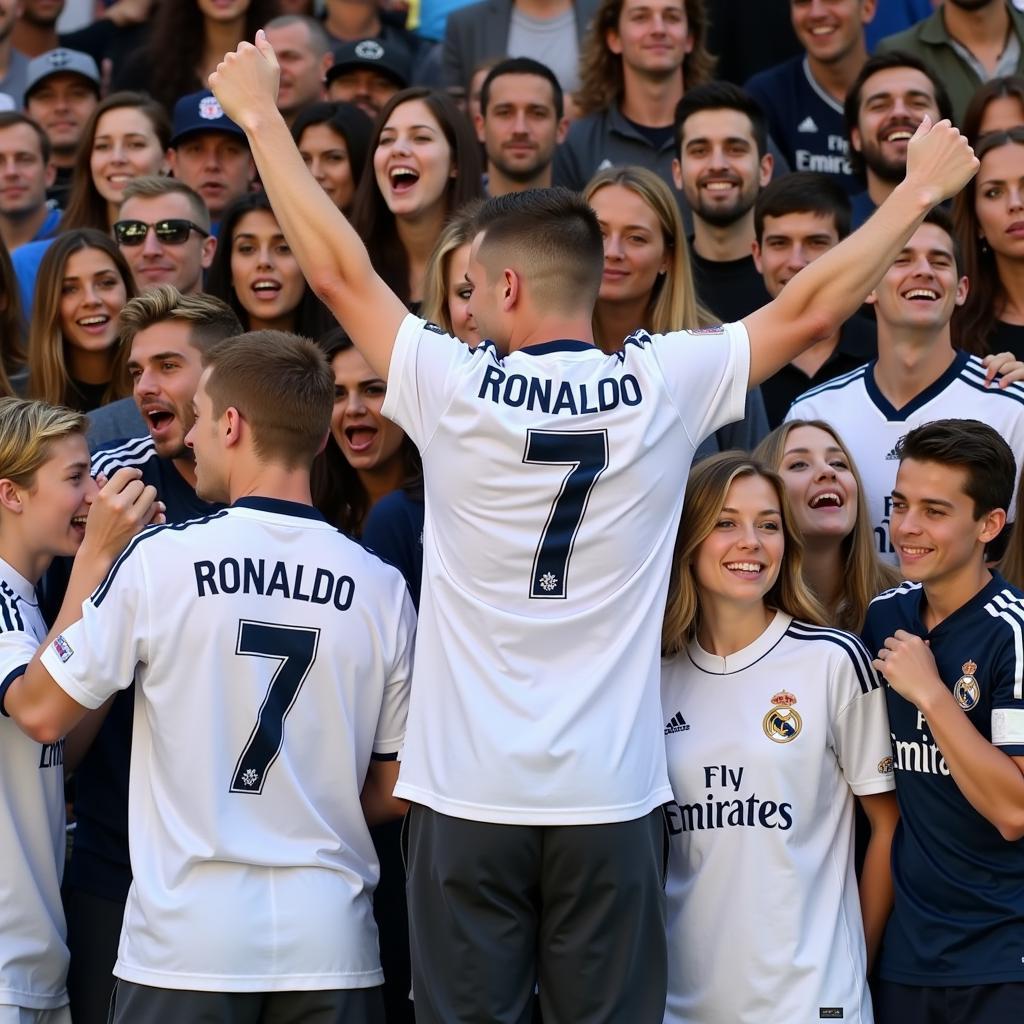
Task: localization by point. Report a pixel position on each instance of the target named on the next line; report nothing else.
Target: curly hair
(601, 76)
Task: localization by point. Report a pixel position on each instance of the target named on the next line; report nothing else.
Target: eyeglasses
(173, 231)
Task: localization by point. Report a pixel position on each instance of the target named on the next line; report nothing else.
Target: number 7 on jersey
(586, 452)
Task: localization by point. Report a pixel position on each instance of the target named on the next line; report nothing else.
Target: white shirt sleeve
(860, 729)
(394, 707)
(97, 655)
(422, 378)
(16, 650)
(706, 373)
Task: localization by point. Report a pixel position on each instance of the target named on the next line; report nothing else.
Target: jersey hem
(28, 1001)
(68, 683)
(886, 785)
(534, 815)
(932, 980)
(249, 983)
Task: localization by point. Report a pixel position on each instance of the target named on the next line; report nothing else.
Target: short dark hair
(282, 386)
(9, 118)
(553, 235)
(942, 219)
(972, 446)
(803, 192)
(883, 62)
(723, 96)
(523, 66)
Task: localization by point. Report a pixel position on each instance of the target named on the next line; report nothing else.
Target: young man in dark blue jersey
(803, 96)
(165, 333)
(949, 644)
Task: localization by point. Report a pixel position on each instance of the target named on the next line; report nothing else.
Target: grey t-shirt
(552, 41)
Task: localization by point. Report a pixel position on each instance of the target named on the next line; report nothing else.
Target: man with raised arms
(554, 481)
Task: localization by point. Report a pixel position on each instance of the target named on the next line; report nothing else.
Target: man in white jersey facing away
(271, 658)
(918, 376)
(554, 478)
(46, 498)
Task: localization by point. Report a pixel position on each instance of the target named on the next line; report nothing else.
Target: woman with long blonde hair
(840, 563)
(648, 278)
(773, 723)
(446, 291)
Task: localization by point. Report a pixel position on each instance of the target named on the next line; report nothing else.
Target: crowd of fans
(723, 146)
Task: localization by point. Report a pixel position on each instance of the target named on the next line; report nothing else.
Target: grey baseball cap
(61, 62)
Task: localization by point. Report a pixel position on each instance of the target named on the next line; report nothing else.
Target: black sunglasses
(173, 231)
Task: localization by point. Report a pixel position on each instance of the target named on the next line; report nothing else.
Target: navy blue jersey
(394, 530)
(958, 918)
(805, 121)
(99, 862)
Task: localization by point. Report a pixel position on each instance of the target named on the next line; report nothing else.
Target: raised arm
(816, 302)
(332, 256)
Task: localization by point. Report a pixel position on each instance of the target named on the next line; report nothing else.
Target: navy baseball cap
(200, 112)
(388, 59)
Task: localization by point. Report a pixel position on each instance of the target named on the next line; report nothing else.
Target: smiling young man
(803, 97)
(949, 643)
(918, 376)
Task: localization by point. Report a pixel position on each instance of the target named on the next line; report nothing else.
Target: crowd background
(724, 145)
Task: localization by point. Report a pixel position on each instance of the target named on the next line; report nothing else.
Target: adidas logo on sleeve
(676, 724)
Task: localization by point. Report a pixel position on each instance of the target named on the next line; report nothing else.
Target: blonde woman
(72, 345)
(773, 723)
(840, 564)
(46, 497)
(648, 280)
(446, 291)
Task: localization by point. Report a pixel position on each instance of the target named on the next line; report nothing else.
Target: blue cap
(200, 112)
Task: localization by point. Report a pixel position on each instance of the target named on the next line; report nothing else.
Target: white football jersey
(33, 954)
(270, 656)
(554, 481)
(870, 426)
(765, 749)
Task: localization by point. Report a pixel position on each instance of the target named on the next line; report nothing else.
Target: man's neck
(724, 244)
(260, 480)
(348, 21)
(910, 360)
(32, 40)
(945, 596)
(836, 77)
(651, 101)
(878, 188)
(186, 467)
(498, 184)
(19, 556)
(980, 29)
(17, 231)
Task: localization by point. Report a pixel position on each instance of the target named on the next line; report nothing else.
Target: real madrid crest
(783, 722)
(966, 689)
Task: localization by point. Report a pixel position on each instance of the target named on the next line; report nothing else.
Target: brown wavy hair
(601, 79)
(12, 324)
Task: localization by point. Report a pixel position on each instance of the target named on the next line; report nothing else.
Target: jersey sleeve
(860, 728)
(17, 646)
(390, 735)
(706, 373)
(1008, 696)
(97, 655)
(422, 377)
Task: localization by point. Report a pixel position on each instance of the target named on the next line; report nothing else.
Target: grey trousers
(577, 911)
(141, 1004)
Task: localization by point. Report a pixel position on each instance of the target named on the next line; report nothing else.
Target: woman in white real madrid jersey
(772, 723)
(45, 496)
